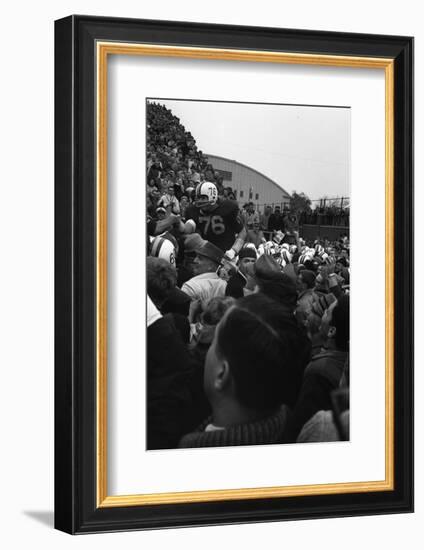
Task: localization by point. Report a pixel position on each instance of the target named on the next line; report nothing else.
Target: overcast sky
(301, 148)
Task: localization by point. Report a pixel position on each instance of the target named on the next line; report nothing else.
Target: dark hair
(261, 358)
(281, 289)
(215, 309)
(161, 279)
(341, 322)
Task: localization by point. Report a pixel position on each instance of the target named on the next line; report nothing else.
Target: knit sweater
(266, 431)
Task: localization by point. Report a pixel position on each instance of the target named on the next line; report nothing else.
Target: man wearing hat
(206, 283)
(272, 281)
(247, 256)
(185, 270)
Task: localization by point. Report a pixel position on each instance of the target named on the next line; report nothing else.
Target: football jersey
(219, 226)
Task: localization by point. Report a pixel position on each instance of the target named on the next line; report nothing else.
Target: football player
(217, 220)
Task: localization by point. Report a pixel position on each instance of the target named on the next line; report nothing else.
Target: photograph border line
(103, 50)
(248, 102)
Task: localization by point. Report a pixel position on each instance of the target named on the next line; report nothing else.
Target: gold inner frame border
(103, 50)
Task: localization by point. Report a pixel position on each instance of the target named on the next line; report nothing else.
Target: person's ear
(331, 332)
(223, 376)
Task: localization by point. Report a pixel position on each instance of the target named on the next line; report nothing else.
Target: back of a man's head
(274, 283)
(251, 337)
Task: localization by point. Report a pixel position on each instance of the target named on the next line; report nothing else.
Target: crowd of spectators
(326, 215)
(175, 166)
(333, 215)
(174, 163)
(246, 352)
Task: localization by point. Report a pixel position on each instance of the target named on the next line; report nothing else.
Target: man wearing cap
(206, 283)
(272, 281)
(185, 269)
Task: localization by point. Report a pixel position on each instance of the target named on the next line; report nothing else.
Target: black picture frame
(76, 509)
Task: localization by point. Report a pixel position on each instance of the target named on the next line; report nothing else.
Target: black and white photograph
(248, 273)
(210, 247)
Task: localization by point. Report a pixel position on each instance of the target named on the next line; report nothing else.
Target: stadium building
(249, 184)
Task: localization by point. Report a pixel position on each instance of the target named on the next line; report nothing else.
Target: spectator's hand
(330, 268)
(230, 254)
(329, 260)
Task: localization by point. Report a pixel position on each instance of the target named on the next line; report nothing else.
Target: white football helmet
(206, 194)
(278, 236)
(163, 248)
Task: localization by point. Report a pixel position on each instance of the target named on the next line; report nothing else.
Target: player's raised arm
(240, 234)
(237, 245)
(156, 227)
